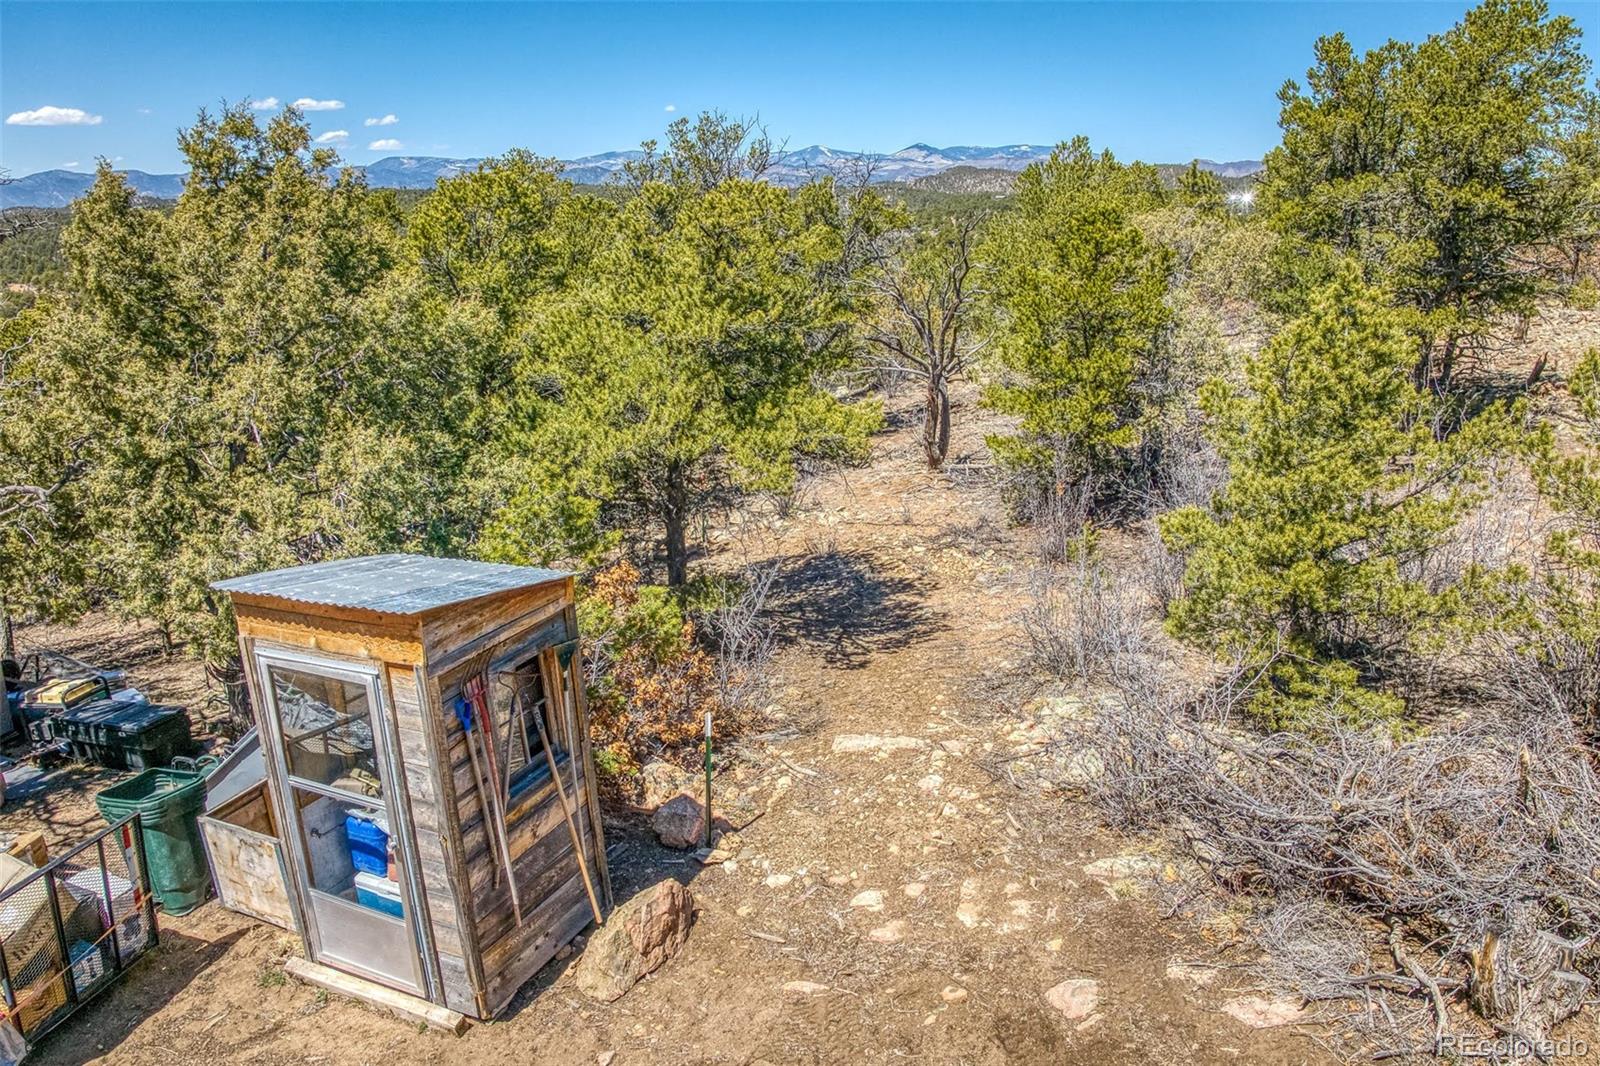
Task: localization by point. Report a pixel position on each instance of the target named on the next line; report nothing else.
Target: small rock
(1264, 1012)
(736, 807)
(871, 742)
(1055, 944)
(870, 899)
(805, 988)
(1075, 997)
(1122, 868)
(930, 783)
(953, 994)
(968, 914)
(889, 933)
(914, 889)
(639, 936)
(605, 1058)
(680, 822)
(778, 880)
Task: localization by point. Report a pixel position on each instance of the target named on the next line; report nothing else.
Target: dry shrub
(652, 678)
(1082, 620)
(1467, 858)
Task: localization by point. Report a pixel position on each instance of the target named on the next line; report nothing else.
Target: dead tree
(927, 305)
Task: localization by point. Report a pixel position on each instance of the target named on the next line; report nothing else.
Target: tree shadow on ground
(841, 603)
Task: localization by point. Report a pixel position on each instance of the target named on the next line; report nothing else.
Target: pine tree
(1306, 563)
(684, 372)
(1080, 295)
(1452, 169)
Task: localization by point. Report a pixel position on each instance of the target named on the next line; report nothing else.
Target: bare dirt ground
(896, 604)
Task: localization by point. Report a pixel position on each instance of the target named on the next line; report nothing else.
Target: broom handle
(498, 811)
(566, 812)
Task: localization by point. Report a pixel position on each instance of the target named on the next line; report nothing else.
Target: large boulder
(681, 822)
(639, 936)
(660, 781)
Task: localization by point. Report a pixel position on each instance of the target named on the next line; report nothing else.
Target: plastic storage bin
(124, 735)
(369, 843)
(379, 893)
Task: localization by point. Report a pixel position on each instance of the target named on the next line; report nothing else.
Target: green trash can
(168, 802)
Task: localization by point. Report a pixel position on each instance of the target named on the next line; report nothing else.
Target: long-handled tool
(494, 814)
(566, 812)
(464, 716)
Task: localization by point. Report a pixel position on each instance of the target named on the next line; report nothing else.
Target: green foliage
(245, 402)
(1081, 296)
(1202, 191)
(43, 446)
(684, 371)
(32, 254)
(1584, 295)
(1338, 489)
(1444, 167)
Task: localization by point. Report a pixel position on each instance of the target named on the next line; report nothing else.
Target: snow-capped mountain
(57, 188)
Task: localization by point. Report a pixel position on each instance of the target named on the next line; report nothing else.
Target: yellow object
(64, 693)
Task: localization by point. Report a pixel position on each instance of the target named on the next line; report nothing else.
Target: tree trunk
(8, 636)
(936, 424)
(677, 519)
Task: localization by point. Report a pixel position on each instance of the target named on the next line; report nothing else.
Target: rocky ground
(905, 896)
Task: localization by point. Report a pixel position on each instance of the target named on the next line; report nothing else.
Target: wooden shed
(428, 774)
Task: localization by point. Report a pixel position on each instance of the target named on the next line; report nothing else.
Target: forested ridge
(1331, 552)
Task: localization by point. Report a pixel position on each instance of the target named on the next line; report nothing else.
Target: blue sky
(1156, 81)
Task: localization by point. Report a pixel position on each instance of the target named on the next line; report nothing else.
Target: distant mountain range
(57, 188)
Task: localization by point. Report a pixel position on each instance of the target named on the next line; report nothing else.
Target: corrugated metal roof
(394, 584)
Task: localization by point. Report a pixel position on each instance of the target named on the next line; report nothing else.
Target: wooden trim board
(410, 1008)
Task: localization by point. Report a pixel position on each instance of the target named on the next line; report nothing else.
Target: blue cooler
(379, 893)
(369, 844)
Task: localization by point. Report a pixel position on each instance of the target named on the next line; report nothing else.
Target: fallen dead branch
(1467, 859)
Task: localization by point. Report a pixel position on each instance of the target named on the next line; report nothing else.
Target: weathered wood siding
(478, 954)
(550, 888)
(430, 804)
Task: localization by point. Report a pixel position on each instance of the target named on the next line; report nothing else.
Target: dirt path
(928, 901)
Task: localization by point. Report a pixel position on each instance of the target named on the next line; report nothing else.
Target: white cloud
(53, 116)
(385, 144)
(334, 137)
(670, 108)
(266, 103)
(144, 111)
(306, 103)
(386, 120)
(69, 166)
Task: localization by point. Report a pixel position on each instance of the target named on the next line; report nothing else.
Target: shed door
(348, 862)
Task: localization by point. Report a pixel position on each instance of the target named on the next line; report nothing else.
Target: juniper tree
(685, 371)
(250, 410)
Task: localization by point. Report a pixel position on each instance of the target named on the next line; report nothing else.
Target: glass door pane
(348, 866)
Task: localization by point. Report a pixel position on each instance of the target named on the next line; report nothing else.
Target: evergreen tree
(1081, 296)
(1450, 169)
(684, 371)
(1338, 488)
(249, 410)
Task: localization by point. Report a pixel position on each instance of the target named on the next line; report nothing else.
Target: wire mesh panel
(70, 928)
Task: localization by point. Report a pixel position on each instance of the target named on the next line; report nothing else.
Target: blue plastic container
(369, 844)
(379, 893)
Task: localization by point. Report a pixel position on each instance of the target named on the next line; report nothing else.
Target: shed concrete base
(411, 1008)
